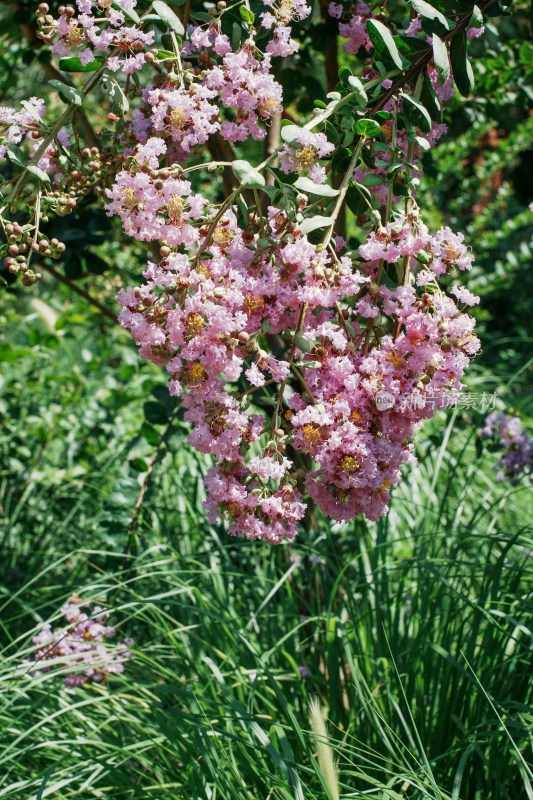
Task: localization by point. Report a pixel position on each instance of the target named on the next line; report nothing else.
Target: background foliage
(415, 632)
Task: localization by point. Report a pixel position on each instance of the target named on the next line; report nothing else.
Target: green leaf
(462, 70)
(30, 108)
(167, 16)
(73, 64)
(427, 11)
(149, 433)
(368, 128)
(441, 58)
(476, 20)
(373, 180)
(247, 175)
(416, 113)
(430, 100)
(310, 187)
(357, 86)
(42, 176)
(308, 364)
(138, 464)
(130, 13)
(68, 93)
(236, 33)
(340, 161)
(312, 223)
(410, 48)
(331, 132)
(289, 134)
(247, 15)
(119, 102)
(155, 413)
(304, 344)
(358, 198)
(382, 40)
(17, 156)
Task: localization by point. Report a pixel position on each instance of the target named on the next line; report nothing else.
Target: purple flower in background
(517, 459)
(82, 644)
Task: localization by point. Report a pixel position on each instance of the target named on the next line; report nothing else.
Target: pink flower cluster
(15, 125)
(152, 209)
(355, 28)
(81, 646)
(99, 26)
(281, 14)
(303, 157)
(205, 314)
(507, 432)
(242, 79)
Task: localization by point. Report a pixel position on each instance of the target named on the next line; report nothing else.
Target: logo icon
(384, 400)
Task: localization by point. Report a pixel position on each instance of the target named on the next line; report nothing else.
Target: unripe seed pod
(164, 251)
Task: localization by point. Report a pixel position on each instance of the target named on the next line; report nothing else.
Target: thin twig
(82, 293)
(136, 508)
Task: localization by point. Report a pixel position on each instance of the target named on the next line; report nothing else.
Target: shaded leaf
(367, 127)
(462, 70)
(382, 40)
(247, 175)
(429, 12)
(312, 223)
(416, 113)
(441, 58)
(169, 17)
(74, 64)
(310, 187)
(38, 173)
(68, 93)
(17, 156)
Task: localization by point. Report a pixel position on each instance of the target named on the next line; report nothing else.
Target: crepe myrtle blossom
(203, 314)
(278, 19)
(15, 125)
(242, 81)
(80, 646)
(84, 34)
(303, 156)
